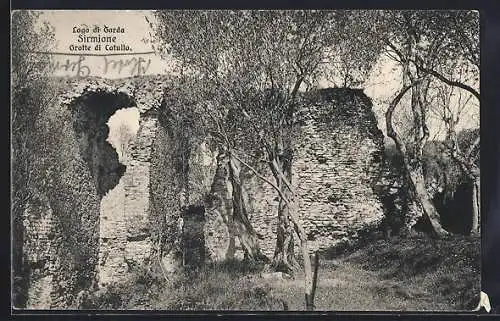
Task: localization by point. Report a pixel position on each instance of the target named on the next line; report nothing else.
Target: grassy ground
(418, 274)
(415, 274)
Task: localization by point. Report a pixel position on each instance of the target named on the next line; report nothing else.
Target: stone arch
(123, 187)
(73, 230)
(91, 113)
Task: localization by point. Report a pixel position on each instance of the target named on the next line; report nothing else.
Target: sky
(381, 85)
(129, 117)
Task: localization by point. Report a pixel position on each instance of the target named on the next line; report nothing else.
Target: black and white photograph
(246, 160)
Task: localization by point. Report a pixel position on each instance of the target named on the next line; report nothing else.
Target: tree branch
(282, 177)
(250, 167)
(388, 116)
(449, 81)
(473, 146)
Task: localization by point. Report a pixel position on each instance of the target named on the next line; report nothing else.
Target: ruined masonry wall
(337, 165)
(164, 210)
(75, 242)
(124, 225)
(38, 225)
(339, 162)
(72, 237)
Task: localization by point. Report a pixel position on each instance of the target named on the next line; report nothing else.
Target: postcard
(246, 160)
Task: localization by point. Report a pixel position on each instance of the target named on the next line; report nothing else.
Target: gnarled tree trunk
(422, 197)
(241, 224)
(284, 253)
(284, 256)
(220, 191)
(413, 167)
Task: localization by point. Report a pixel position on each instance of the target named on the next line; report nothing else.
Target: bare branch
(389, 114)
(256, 172)
(449, 81)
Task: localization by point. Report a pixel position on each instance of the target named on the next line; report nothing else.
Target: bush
(225, 285)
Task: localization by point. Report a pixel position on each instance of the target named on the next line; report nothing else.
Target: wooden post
(310, 298)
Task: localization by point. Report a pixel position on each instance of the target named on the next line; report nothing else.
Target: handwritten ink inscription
(78, 66)
(99, 50)
(136, 66)
(74, 66)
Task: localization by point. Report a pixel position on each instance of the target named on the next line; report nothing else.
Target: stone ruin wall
(62, 214)
(73, 235)
(124, 223)
(168, 197)
(37, 225)
(336, 165)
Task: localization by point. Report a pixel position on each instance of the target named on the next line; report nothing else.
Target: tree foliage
(435, 43)
(252, 65)
(351, 59)
(29, 36)
(426, 46)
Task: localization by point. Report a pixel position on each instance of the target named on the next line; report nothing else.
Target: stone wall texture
(107, 218)
(337, 169)
(92, 224)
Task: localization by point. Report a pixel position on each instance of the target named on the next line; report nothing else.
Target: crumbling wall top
(147, 91)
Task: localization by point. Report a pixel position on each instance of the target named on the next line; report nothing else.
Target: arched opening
(91, 113)
(105, 127)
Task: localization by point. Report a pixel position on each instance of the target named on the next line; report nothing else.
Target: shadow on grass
(227, 285)
(448, 269)
(412, 274)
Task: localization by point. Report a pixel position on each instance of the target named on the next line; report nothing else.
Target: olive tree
(253, 65)
(454, 106)
(426, 45)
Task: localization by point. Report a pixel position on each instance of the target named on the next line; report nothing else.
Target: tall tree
(457, 58)
(452, 106)
(422, 43)
(253, 65)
